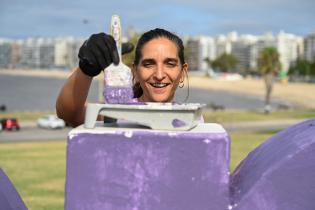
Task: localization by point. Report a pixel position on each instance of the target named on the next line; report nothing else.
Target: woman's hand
(98, 52)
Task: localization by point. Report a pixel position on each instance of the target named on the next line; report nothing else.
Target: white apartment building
(46, 53)
(66, 52)
(61, 53)
(222, 45)
(15, 56)
(309, 47)
(200, 48)
(5, 52)
(29, 54)
(193, 59)
(287, 45)
(245, 52)
(37, 53)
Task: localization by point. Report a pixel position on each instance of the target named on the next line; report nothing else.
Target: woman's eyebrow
(171, 60)
(148, 60)
(166, 60)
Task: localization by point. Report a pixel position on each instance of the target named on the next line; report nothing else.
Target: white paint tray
(157, 116)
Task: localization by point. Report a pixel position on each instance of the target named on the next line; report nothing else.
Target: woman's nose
(159, 73)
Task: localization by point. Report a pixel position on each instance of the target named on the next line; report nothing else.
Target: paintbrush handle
(115, 31)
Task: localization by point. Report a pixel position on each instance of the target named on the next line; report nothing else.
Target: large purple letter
(9, 197)
(125, 169)
(279, 174)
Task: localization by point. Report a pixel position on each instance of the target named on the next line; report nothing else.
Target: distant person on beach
(158, 69)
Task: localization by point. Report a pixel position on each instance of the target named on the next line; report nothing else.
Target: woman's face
(159, 70)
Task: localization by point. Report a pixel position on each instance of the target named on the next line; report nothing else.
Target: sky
(80, 18)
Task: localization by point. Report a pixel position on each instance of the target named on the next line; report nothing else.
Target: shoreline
(36, 73)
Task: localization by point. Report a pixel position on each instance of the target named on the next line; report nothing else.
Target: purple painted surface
(176, 123)
(9, 197)
(147, 170)
(279, 174)
(118, 95)
(135, 102)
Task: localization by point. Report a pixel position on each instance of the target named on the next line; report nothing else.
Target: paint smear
(178, 123)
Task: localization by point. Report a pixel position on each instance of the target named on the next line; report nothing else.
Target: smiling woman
(159, 68)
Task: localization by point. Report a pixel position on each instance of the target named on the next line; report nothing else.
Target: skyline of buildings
(61, 52)
(245, 48)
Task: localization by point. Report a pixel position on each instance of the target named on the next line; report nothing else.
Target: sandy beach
(301, 94)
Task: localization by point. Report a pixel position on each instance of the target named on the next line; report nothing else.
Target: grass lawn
(239, 116)
(244, 142)
(37, 169)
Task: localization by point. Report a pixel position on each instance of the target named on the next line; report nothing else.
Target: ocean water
(25, 93)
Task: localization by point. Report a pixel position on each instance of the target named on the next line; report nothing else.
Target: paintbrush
(117, 78)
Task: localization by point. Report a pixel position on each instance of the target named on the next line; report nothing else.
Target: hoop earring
(181, 84)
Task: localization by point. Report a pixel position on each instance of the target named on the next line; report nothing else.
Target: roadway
(34, 134)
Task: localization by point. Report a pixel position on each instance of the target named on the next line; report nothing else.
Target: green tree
(225, 62)
(300, 68)
(269, 66)
(312, 67)
(129, 58)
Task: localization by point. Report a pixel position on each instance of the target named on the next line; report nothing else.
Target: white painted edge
(101, 129)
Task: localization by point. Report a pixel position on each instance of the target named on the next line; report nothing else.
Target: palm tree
(269, 66)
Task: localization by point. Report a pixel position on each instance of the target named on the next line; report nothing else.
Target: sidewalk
(230, 127)
(28, 124)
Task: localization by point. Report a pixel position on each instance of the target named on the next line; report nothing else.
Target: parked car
(50, 121)
(10, 124)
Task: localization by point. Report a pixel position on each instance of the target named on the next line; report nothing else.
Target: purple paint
(147, 170)
(118, 95)
(176, 123)
(279, 174)
(9, 197)
(136, 102)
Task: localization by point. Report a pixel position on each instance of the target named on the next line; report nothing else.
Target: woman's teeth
(159, 85)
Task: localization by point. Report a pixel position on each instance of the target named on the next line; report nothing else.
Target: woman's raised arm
(70, 105)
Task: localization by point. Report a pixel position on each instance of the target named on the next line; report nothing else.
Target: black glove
(98, 52)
